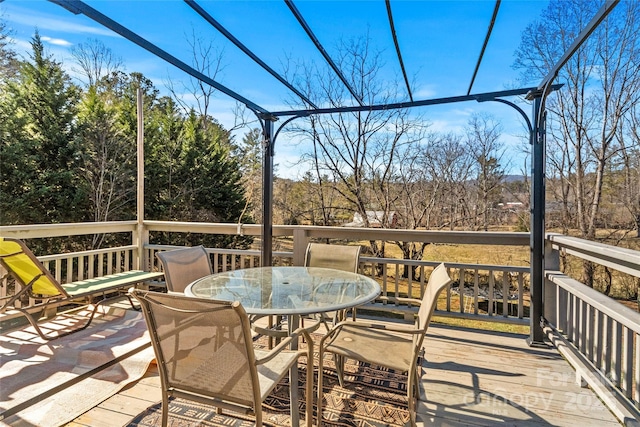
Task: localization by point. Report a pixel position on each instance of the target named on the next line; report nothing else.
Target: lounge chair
(37, 282)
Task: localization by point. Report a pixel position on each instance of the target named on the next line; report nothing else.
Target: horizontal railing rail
(489, 292)
(38, 231)
(621, 259)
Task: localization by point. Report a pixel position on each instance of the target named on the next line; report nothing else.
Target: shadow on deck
(470, 377)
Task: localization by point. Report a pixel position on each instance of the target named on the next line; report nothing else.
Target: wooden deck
(470, 378)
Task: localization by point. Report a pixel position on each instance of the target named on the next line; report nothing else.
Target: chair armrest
(393, 299)
(371, 325)
(285, 342)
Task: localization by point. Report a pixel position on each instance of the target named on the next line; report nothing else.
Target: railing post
(140, 261)
(300, 242)
(551, 262)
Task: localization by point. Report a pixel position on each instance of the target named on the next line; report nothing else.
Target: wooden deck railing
(489, 292)
(597, 334)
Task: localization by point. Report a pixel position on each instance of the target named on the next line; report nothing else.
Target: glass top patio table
(287, 290)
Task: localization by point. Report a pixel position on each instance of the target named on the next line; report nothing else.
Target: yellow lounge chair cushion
(24, 267)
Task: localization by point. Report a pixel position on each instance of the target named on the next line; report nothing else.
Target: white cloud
(425, 92)
(464, 112)
(57, 42)
(445, 126)
(44, 22)
(21, 45)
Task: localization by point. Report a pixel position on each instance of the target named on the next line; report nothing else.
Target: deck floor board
(473, 377)
(470, 378)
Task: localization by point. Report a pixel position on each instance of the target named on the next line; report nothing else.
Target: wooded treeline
(68, 151)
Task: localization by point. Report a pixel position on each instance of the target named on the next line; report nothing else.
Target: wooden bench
(38, 283)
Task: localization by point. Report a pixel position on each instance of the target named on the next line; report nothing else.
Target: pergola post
(538, 143)
(267, 191)
(142, 237)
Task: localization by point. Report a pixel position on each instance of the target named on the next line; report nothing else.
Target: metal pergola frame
(536, 125)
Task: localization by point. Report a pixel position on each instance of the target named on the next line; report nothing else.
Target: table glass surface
(287, 290)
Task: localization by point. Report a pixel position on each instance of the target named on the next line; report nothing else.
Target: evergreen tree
(192, 175)
(37, 154)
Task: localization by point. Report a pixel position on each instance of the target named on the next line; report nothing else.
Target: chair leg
(258, 414)
(309, 390)
(413, 394)
(133, 306)
(339, 361)
(417, 385)
(165, 409)
(324, 322)
(320, 375)
(40, 332)
(411, 403)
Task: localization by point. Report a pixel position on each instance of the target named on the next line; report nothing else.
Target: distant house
(512, 206)
(375, 220)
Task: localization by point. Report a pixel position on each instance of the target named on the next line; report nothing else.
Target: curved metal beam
(286, 122)
(320, 48)
(395, 42)
(211, 20)
(517, 108)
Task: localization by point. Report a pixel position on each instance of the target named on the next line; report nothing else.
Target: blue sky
(440, 42)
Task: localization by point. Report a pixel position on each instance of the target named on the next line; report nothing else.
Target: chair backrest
(340, 257)
(203, 346)
(183, 266)
(437, 281)
(23, 265)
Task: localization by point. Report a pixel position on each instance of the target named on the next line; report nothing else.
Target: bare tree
(107, 156)
(194, 94)
(95, 60)
(430, 187)
(602, 82)
(450, 162)
(207, 59)
(8, 59)
(356, 153)
(483, 142)
(630, 165)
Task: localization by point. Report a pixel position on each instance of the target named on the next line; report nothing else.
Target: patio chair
(205, 353)
(36, 282)
(339, 257)
(183, 266)
(392, 346)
